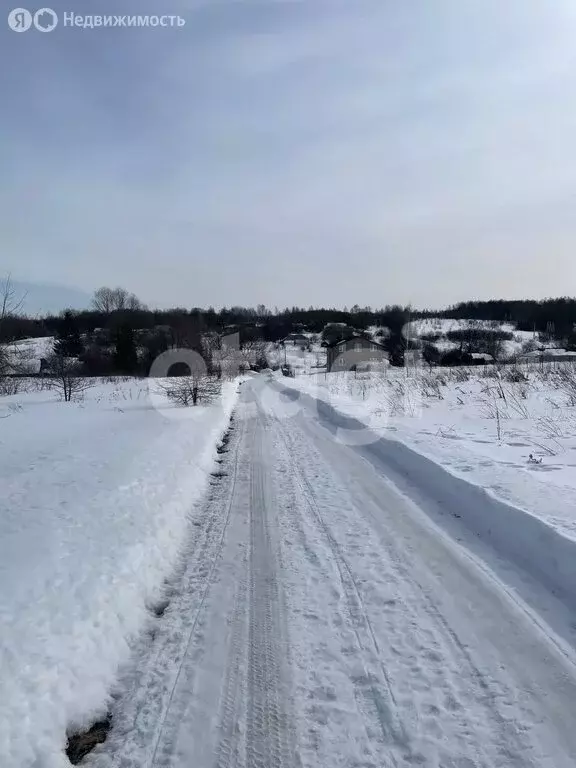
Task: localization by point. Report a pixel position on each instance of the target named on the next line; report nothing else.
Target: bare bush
(514, 375)
(65, 376)
(430, 386)
(4, 362)
(10, 385)
(191, 390)
(11, 302)
(530, 346)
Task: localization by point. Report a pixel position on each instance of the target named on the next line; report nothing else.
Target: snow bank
(510, 516)
(520, 537)
(94, 508)
(457, 418)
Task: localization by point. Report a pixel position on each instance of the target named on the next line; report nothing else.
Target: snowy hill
(24, 356)
(436, 330)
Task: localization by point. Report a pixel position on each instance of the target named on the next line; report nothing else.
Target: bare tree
(212, 353)
(108, 300)
(133, 302)
(192, 390)
(254, 354)
(66, 377)
(102, 300)
(11, 302)
(223, 355)
(12, 358)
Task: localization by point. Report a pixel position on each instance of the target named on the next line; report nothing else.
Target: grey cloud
(295, 152)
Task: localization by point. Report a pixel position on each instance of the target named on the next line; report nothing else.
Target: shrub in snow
(530, 346)
(191, 390)
(515, 375)
(430, 386)
(10, 386)
(66, 377)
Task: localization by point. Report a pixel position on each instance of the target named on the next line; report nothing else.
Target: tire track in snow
(177, 704)
(255, 727)
(374, 693)
(230, 751)
(268, 740)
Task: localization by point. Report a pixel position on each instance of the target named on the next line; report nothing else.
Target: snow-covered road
(321, 618)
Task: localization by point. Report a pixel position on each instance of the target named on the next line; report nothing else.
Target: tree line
(120, 334)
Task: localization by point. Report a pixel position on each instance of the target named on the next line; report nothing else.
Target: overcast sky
(317, 152)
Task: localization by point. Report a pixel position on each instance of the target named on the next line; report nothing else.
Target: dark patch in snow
(81, 744)
(160, 608)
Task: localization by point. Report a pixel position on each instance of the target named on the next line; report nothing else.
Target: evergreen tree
(125, 354)
(395, 319)
(334, 332)
(68, 342)
(431, 354)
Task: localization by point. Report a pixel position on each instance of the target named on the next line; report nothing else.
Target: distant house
(482, 358)
(551, 355)
(349, 354)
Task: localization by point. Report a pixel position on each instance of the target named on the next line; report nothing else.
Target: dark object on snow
(81, 744)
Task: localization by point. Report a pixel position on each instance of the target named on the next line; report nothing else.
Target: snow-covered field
(95, 504)
(479, 424)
